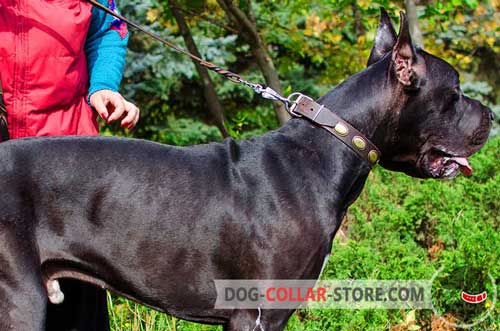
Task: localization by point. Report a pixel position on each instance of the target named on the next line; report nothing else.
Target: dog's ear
(404, 54)
(385, 39)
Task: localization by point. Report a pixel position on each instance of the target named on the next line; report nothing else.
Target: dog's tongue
(464, 165)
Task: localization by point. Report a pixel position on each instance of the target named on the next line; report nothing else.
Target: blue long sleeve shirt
(106, 48)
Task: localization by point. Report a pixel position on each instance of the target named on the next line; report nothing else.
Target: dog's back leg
(23, 299)
(258, 320)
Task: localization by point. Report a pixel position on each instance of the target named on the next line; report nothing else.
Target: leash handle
(265, 92)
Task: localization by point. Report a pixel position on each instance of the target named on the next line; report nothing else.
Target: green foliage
(185, 131)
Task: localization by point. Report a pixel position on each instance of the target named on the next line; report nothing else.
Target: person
(60, 61)
(57, 59)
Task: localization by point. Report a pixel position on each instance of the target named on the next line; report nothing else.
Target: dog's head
(436, 126)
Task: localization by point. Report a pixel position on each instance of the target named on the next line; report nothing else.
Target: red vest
(43, 68)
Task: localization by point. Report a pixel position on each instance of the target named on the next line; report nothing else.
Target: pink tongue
(465, 167)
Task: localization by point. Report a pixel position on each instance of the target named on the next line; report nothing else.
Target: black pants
(84, 309)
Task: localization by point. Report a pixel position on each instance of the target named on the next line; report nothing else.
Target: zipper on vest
(20, 69)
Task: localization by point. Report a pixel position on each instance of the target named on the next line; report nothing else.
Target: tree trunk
(247, 28)
(209, 92)
(411, 12)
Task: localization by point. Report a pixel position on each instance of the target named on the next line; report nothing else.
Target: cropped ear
(385, 39)
(404, 54)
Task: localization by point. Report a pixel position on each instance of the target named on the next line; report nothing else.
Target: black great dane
(158, 223)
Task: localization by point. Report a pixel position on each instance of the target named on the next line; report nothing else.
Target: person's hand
(112, 106)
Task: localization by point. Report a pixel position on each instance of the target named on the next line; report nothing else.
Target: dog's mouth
(438, 163)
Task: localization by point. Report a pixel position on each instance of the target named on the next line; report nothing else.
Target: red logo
(474, 298)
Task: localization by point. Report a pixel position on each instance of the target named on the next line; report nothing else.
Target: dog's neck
(335, 171)
(371, 108)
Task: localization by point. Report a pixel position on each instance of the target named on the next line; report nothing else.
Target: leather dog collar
(306, 107)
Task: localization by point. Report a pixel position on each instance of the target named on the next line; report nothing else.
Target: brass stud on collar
(373, 156)
(359, 143)
(341, 129)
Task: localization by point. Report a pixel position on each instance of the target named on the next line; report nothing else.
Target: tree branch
(249, 32)
(209, 92)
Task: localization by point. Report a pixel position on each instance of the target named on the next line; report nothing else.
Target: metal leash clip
(290, 103)
(265, 92)
(269, 93)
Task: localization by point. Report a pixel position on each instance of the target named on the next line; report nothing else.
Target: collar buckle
(293, 103)
(304, 106)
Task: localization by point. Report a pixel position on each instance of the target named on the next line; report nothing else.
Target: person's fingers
(97, 101)
(117, 101)
(137, 116)
(132, 115)
(111, 106)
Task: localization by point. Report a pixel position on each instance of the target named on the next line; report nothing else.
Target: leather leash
(297, 104)
(266, 92)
